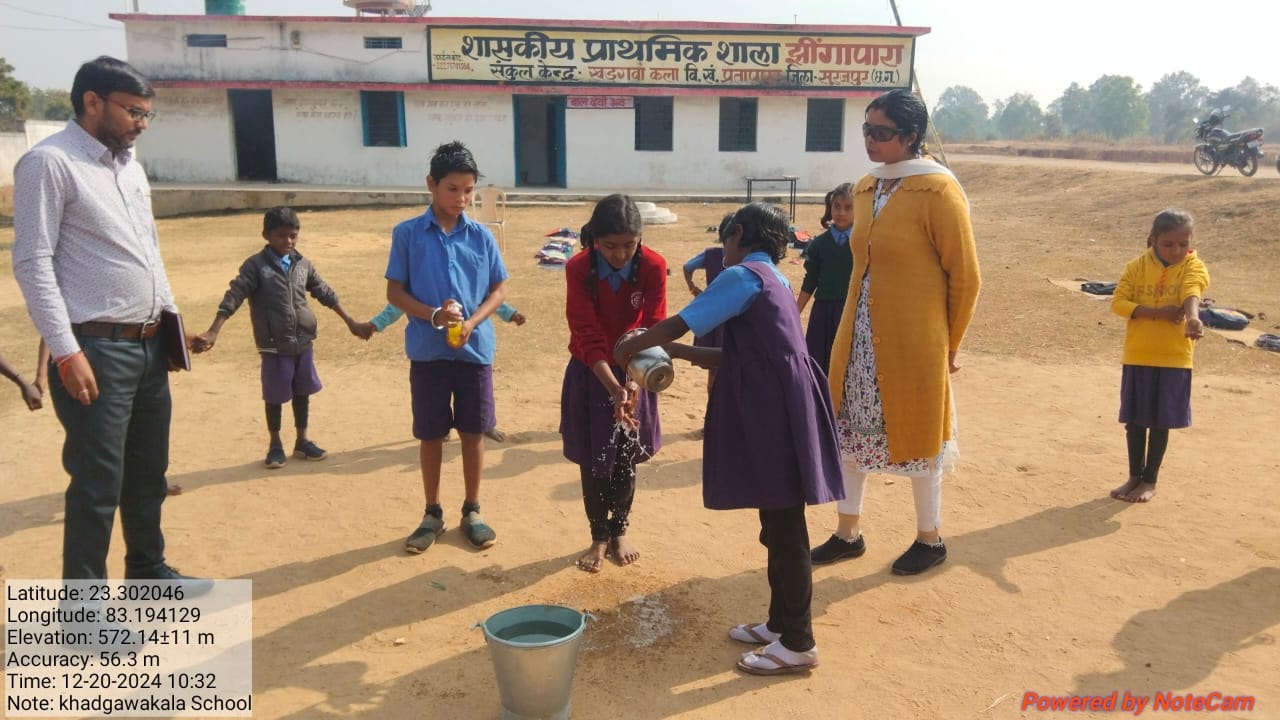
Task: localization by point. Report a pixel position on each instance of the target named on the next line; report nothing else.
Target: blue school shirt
(728, 296)
(615, 278)
(697, 262)
(434, 266)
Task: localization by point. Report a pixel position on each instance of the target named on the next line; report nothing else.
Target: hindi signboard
(680, 58)
(600, 102)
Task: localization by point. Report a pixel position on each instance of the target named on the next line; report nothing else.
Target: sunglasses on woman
(881, 133)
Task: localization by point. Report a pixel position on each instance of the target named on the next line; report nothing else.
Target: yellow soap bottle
(453, 334)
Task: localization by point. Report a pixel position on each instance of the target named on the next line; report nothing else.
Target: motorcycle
(1217, 148)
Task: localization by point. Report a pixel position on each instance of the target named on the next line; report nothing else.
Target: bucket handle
(586, 615)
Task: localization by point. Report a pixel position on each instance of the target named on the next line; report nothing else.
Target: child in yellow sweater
(1160, 295)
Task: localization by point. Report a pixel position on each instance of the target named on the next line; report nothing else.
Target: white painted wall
(37, 130)
(325, 51)
(601, 150)
(319, 140)
(12, 147)
(320, 137)
(190, 140)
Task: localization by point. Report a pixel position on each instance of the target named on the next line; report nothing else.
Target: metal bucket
(535, 651)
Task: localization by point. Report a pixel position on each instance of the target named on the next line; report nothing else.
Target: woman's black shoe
(918, 558)
(837, 548)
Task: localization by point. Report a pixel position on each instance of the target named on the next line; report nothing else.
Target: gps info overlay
(128, 648)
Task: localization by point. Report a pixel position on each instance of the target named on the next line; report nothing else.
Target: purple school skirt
(587, 427)
(1155, 397)
(824, 321)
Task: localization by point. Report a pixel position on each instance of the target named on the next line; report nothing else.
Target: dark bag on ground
(1098, 288)
(1223, 318)
(1267, 341)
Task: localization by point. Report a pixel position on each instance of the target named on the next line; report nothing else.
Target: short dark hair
(104, 75)
(764, 227)
(452, 157)
(907, 111)
(280, 217)
(1170, 219)
(726, 222)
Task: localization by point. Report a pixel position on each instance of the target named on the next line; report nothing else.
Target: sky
(996, 47)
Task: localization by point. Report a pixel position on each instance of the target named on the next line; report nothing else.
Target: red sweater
(595, 326)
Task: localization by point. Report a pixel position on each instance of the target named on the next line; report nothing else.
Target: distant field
(1077, 150)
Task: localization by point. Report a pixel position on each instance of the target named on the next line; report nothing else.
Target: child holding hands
(276, 282)
(1159, 294)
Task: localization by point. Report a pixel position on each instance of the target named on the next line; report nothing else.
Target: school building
(363, 100)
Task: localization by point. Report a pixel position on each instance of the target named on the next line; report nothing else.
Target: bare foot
(591, 560)
(622, 550)
(1122, 492)
(496, 435)
(1142, 493)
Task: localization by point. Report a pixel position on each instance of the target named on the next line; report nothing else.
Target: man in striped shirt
(87, 258)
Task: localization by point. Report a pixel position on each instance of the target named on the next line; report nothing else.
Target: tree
(1172, 102)
(50, 104)
(960, 114)
(1251, 103)
(1053, 126)
(15, 99)
(1018, 117)
(1118, 106)
(1075, 108)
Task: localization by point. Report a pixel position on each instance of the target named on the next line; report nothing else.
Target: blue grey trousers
(116, 452)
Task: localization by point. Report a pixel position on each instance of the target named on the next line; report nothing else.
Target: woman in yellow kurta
(911, 296)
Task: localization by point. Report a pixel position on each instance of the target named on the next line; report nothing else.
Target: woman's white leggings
(927, 490)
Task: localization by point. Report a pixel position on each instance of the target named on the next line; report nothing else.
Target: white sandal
(759, 634)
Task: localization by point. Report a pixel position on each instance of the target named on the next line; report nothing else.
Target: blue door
(540, 140)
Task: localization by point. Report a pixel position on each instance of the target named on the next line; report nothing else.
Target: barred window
(383, 43)
(737, 124)
(824, 130)
(654, 117)
(383, 115)
(198, 40)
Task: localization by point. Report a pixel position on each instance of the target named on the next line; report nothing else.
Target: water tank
(384, 7)
(223, 7)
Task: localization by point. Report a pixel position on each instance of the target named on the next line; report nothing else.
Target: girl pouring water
(770, 441)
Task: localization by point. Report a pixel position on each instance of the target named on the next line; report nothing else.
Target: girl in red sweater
(608, 423)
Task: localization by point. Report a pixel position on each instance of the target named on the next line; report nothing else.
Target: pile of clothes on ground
(558, 248)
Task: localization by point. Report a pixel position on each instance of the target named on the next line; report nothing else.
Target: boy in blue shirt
(442, 261)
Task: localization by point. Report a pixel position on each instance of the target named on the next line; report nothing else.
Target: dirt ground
(1050, 586)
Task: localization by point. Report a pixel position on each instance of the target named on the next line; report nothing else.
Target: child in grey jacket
(276, 282)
